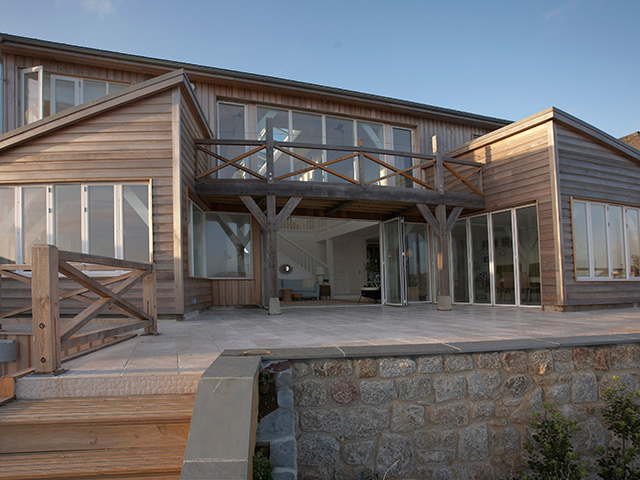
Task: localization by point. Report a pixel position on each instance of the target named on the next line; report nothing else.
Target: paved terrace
(173, 361)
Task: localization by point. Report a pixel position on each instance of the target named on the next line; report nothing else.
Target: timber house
(243, 188)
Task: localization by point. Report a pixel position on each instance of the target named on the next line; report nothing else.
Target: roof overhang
(154, 66)
(550, 114)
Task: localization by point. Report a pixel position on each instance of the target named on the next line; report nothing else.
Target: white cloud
(100, 7)
(561, 11)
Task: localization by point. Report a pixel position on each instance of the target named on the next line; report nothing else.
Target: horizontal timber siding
(197, 291)
(517, 172)
(591, 171)
(129, 143)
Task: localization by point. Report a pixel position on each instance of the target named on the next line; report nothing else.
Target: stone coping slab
(433, 348)
(223, 426)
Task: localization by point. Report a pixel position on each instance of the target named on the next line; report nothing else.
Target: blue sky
(507, 59)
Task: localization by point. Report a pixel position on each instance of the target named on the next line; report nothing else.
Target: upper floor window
(606, 241)
(100, 219)
(312, 128)
(44, 94)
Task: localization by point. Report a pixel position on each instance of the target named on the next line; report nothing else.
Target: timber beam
(350, 193)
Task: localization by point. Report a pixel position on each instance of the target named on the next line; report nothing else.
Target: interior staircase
(95, 437)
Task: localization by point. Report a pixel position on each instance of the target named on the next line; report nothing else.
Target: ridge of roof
(252, 77)
(99, 105)
(551, 113)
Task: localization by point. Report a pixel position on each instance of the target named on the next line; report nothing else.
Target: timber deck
(98, 437)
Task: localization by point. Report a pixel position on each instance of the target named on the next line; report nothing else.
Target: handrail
(303, 258)
(417, 175)
(50, 335)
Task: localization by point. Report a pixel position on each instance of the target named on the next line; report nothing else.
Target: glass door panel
(480, 260)
(402, 142)
(372, 135)
(393, 262)
(231, 124)
(503, 258)
(528, 255)
(281, 133)
(339, 132)
(417, 254)
(307, 128)
(100, 219)
(67, 217)
(459, 271)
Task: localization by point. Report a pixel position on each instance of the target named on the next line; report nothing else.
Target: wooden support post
(439, 180)
(444, 293)
(149, 300)
(269, 144)
(272, 256)
(361, 164)
(45, 309)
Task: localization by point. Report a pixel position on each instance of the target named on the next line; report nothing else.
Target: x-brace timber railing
(459, 171)
(51, 336)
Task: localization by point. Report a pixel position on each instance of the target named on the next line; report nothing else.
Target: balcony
(335, 177)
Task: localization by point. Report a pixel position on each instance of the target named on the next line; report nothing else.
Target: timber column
(444, 292)
(272, 230)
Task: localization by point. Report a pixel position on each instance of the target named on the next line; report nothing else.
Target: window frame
(590, 247)
(251, 131)
(53, 77)
(50, 212)
(204, 260)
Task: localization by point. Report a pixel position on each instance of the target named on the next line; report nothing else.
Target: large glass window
(220, 244)
(231, 126)
(418, 262)
(503, 257)
(34, 220)
(459, 257)
(44, 94)
(402, 142)
(480, 259)
(633, 232)
(109, 220)
(528, 255)
(605, 241)
(311, 128)
(7, 225)
(495, 258)
(135, 219)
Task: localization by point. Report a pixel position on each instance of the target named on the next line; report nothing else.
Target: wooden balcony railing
(101, 294)
(367, 166)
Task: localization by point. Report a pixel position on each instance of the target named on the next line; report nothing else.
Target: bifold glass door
(394, 285)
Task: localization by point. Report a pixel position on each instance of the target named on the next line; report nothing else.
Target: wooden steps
(95, 437)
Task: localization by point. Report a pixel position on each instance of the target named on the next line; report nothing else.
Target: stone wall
(446, 416)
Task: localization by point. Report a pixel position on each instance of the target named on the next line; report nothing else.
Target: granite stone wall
(446, 416)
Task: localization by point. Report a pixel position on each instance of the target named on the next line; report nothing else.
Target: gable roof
(157, 66)
(551, 113)
(632, 139)
(103, 104)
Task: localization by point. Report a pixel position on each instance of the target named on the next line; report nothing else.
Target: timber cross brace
(271, 223)
(431, 180)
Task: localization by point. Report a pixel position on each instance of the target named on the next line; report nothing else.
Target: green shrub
(551, 454)
(262, 467)
(622, 415)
